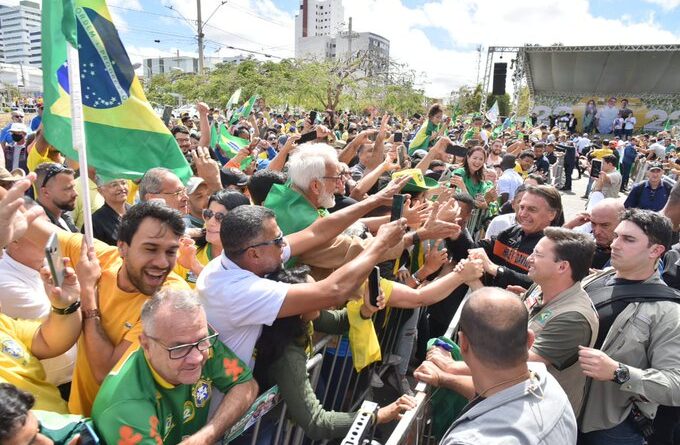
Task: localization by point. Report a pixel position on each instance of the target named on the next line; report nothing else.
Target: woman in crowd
(589, 116)
(429, 131)
(282, 360)
(470, 177)
(194, 256)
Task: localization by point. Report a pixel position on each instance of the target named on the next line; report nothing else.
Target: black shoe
(564, 189)
(584, 197)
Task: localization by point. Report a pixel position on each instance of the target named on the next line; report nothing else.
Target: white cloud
(665, 4)
(262, 26)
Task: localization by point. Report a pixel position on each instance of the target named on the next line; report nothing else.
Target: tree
(329, 84)
(504, 104)
(524, 101)
(469, 98)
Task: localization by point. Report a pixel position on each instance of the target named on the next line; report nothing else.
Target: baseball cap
(14, 175)
(17, 127)
(193, 183)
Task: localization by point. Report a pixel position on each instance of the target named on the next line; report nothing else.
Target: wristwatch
(621, 374)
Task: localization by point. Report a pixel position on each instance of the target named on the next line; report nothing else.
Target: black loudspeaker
(499, 72)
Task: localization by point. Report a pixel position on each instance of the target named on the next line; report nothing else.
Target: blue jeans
(624, 433)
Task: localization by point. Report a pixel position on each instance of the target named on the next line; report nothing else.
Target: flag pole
(78, 135)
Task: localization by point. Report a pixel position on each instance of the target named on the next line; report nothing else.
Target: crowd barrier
(334, 380)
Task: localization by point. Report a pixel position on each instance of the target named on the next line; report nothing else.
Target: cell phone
(88, 436)
(397, 207)
(398, 136)
(312, 116)
(596, 168)
(54, 260)
(526, 138)
(456, 150)
(374, 286)
(307, 137)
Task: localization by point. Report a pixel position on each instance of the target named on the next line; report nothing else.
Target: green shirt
(137, 406)
(473, 188)
(60, 428)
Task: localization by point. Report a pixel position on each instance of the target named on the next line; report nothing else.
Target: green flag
(244, 110)
(124, 136)
(213, 135)
(667, 126)
(229, 143)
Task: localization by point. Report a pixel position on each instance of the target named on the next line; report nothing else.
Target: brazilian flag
(123, 134)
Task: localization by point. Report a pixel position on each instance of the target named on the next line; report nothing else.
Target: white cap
(18, 127)
(193, 184)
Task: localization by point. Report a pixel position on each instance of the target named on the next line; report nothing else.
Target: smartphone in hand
(374, 286)
(55, 260)
(397, 207)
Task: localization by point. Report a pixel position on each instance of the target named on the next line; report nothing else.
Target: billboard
(596, 114)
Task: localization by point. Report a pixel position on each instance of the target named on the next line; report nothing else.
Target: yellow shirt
(34, 159)
(96, 202)
(132, 192)
(121, 312)
(518, 169)
(21, 368)
(203, 257)
(602, 152)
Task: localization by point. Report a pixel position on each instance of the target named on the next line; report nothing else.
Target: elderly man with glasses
(161, 392)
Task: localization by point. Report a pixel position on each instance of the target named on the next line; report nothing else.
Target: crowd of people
(198, 294)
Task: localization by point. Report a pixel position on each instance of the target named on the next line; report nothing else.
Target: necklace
(525, 375)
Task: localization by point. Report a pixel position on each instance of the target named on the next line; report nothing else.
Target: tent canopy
(601, 70)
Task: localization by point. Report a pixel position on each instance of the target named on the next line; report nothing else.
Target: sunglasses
(278, 242)
(207, 214)
(52, 171)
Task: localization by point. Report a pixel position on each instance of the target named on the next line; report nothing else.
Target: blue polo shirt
(642, 196)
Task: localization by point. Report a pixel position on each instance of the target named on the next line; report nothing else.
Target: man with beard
(140, 265)
(56, 193)
(494, 157)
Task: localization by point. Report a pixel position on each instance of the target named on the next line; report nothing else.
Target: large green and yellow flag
(123, 134)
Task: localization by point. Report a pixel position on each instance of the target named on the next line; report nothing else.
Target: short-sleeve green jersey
(136, 406)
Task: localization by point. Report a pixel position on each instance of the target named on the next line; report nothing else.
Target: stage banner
(598, 115)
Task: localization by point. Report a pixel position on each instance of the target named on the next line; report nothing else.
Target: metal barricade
(335, 381)
(415, 426)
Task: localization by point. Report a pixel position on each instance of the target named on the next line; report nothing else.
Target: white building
(183, 64)
(320, 33)
(20, 33)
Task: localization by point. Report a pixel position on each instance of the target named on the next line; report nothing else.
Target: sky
(437, 38)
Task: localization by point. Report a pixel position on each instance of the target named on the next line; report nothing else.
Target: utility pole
(479, 62)
(349, 40)
(199, 19)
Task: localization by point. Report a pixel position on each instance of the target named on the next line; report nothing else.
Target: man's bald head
(494, 321)
(604, 217)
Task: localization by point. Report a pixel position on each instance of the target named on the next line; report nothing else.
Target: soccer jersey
(136, 405)
(21, 368)
(121, 312)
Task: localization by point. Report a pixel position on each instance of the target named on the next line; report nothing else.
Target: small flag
(229, 143)
(232, 101)
(244, 110)
(493, 113)
(667, 126)
(124, 136)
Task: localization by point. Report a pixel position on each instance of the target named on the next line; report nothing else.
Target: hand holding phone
(397, 207)
(54, 260)
(456, 150)
(374, 286)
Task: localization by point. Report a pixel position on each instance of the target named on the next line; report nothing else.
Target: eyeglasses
(207, 214)
(334, 178)
(181, 351)
(278, 242)
(52, 171)
(176, 194)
